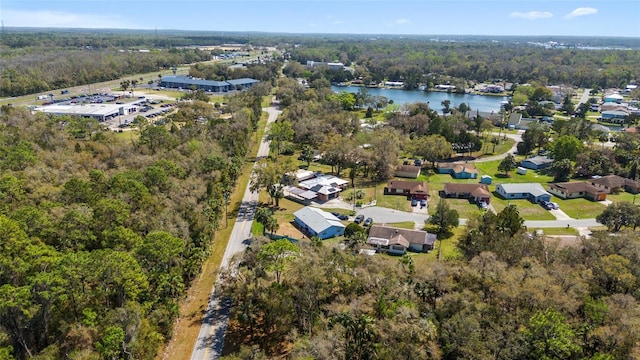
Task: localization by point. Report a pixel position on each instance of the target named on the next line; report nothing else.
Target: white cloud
(531, 15)
(61, 19)
(402, 21)
(582, 11)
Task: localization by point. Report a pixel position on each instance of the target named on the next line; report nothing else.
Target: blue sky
(439, 17)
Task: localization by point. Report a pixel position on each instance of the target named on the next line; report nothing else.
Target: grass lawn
(622, 196)
(465, 209)
(556, 231)
(579, 208)
(491, 168)
(403, 225)
(527, 209)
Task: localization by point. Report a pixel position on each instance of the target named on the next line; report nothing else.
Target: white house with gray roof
(533, 192)
(318, 223)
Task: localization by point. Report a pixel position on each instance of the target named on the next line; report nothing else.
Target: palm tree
(272, 225)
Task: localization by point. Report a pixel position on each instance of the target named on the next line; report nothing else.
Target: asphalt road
(210, 340)
(380, 215)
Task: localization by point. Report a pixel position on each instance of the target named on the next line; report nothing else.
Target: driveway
(516, 137)
(385, 215)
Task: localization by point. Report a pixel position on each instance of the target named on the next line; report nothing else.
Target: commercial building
(100, 112)
(189, 82)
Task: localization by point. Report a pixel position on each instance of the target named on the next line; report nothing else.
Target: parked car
(340, 216)
(546, 204)
(414, 202)
(359, 219)
(423, 203)
(483, 205)
(368, 222)
(555, 206)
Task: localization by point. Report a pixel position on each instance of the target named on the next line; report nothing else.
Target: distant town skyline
(419, 17)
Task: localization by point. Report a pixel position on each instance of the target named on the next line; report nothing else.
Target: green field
(579, 208)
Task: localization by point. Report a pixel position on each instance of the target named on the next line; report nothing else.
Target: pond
(434, 98)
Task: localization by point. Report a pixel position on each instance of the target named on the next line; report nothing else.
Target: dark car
(359, 219)
(423, 202)
(368, 222)
(340, 216)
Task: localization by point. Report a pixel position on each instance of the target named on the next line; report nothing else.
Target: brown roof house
(410, 189)
(397, 241)
(458, 170)
(407, 171)
(475, 192)
(578, 189)
(614, 183)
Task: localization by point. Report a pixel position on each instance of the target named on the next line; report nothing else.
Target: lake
(434, 98)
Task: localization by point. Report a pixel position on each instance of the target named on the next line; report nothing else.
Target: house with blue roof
(318, 223)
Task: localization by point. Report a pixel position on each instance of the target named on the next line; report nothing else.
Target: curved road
(517, 137)
(210, 340)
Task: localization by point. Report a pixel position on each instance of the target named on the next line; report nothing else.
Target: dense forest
(101, 233)
(507, 295)
(31, 61)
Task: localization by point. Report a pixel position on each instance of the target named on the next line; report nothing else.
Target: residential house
(407, 171)
(616, 116)
(327, 187)
(614, 98)
(516, 121)
(475, 192)
(536, 162)
(458, 170)
(397, 241)
(494, 117)
(578, 189)
(411, 189)
(533, 192)
(318, 223)
(614, 183)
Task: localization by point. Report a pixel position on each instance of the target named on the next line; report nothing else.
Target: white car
(555, 206)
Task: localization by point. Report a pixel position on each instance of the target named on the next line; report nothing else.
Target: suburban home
(614, 183)
(407, 171)
(616, 116)
(326, 187)
(533, 192)
(318, 223)
(578, 189)
(613, 98)
(475, 192)
(458, 170)
(516, 121)
(411, 189)
(397, 241)
(536, 162)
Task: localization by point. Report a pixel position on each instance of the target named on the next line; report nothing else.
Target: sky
(422, 17)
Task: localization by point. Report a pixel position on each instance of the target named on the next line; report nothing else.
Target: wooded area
(508, 295)
(101, 232)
